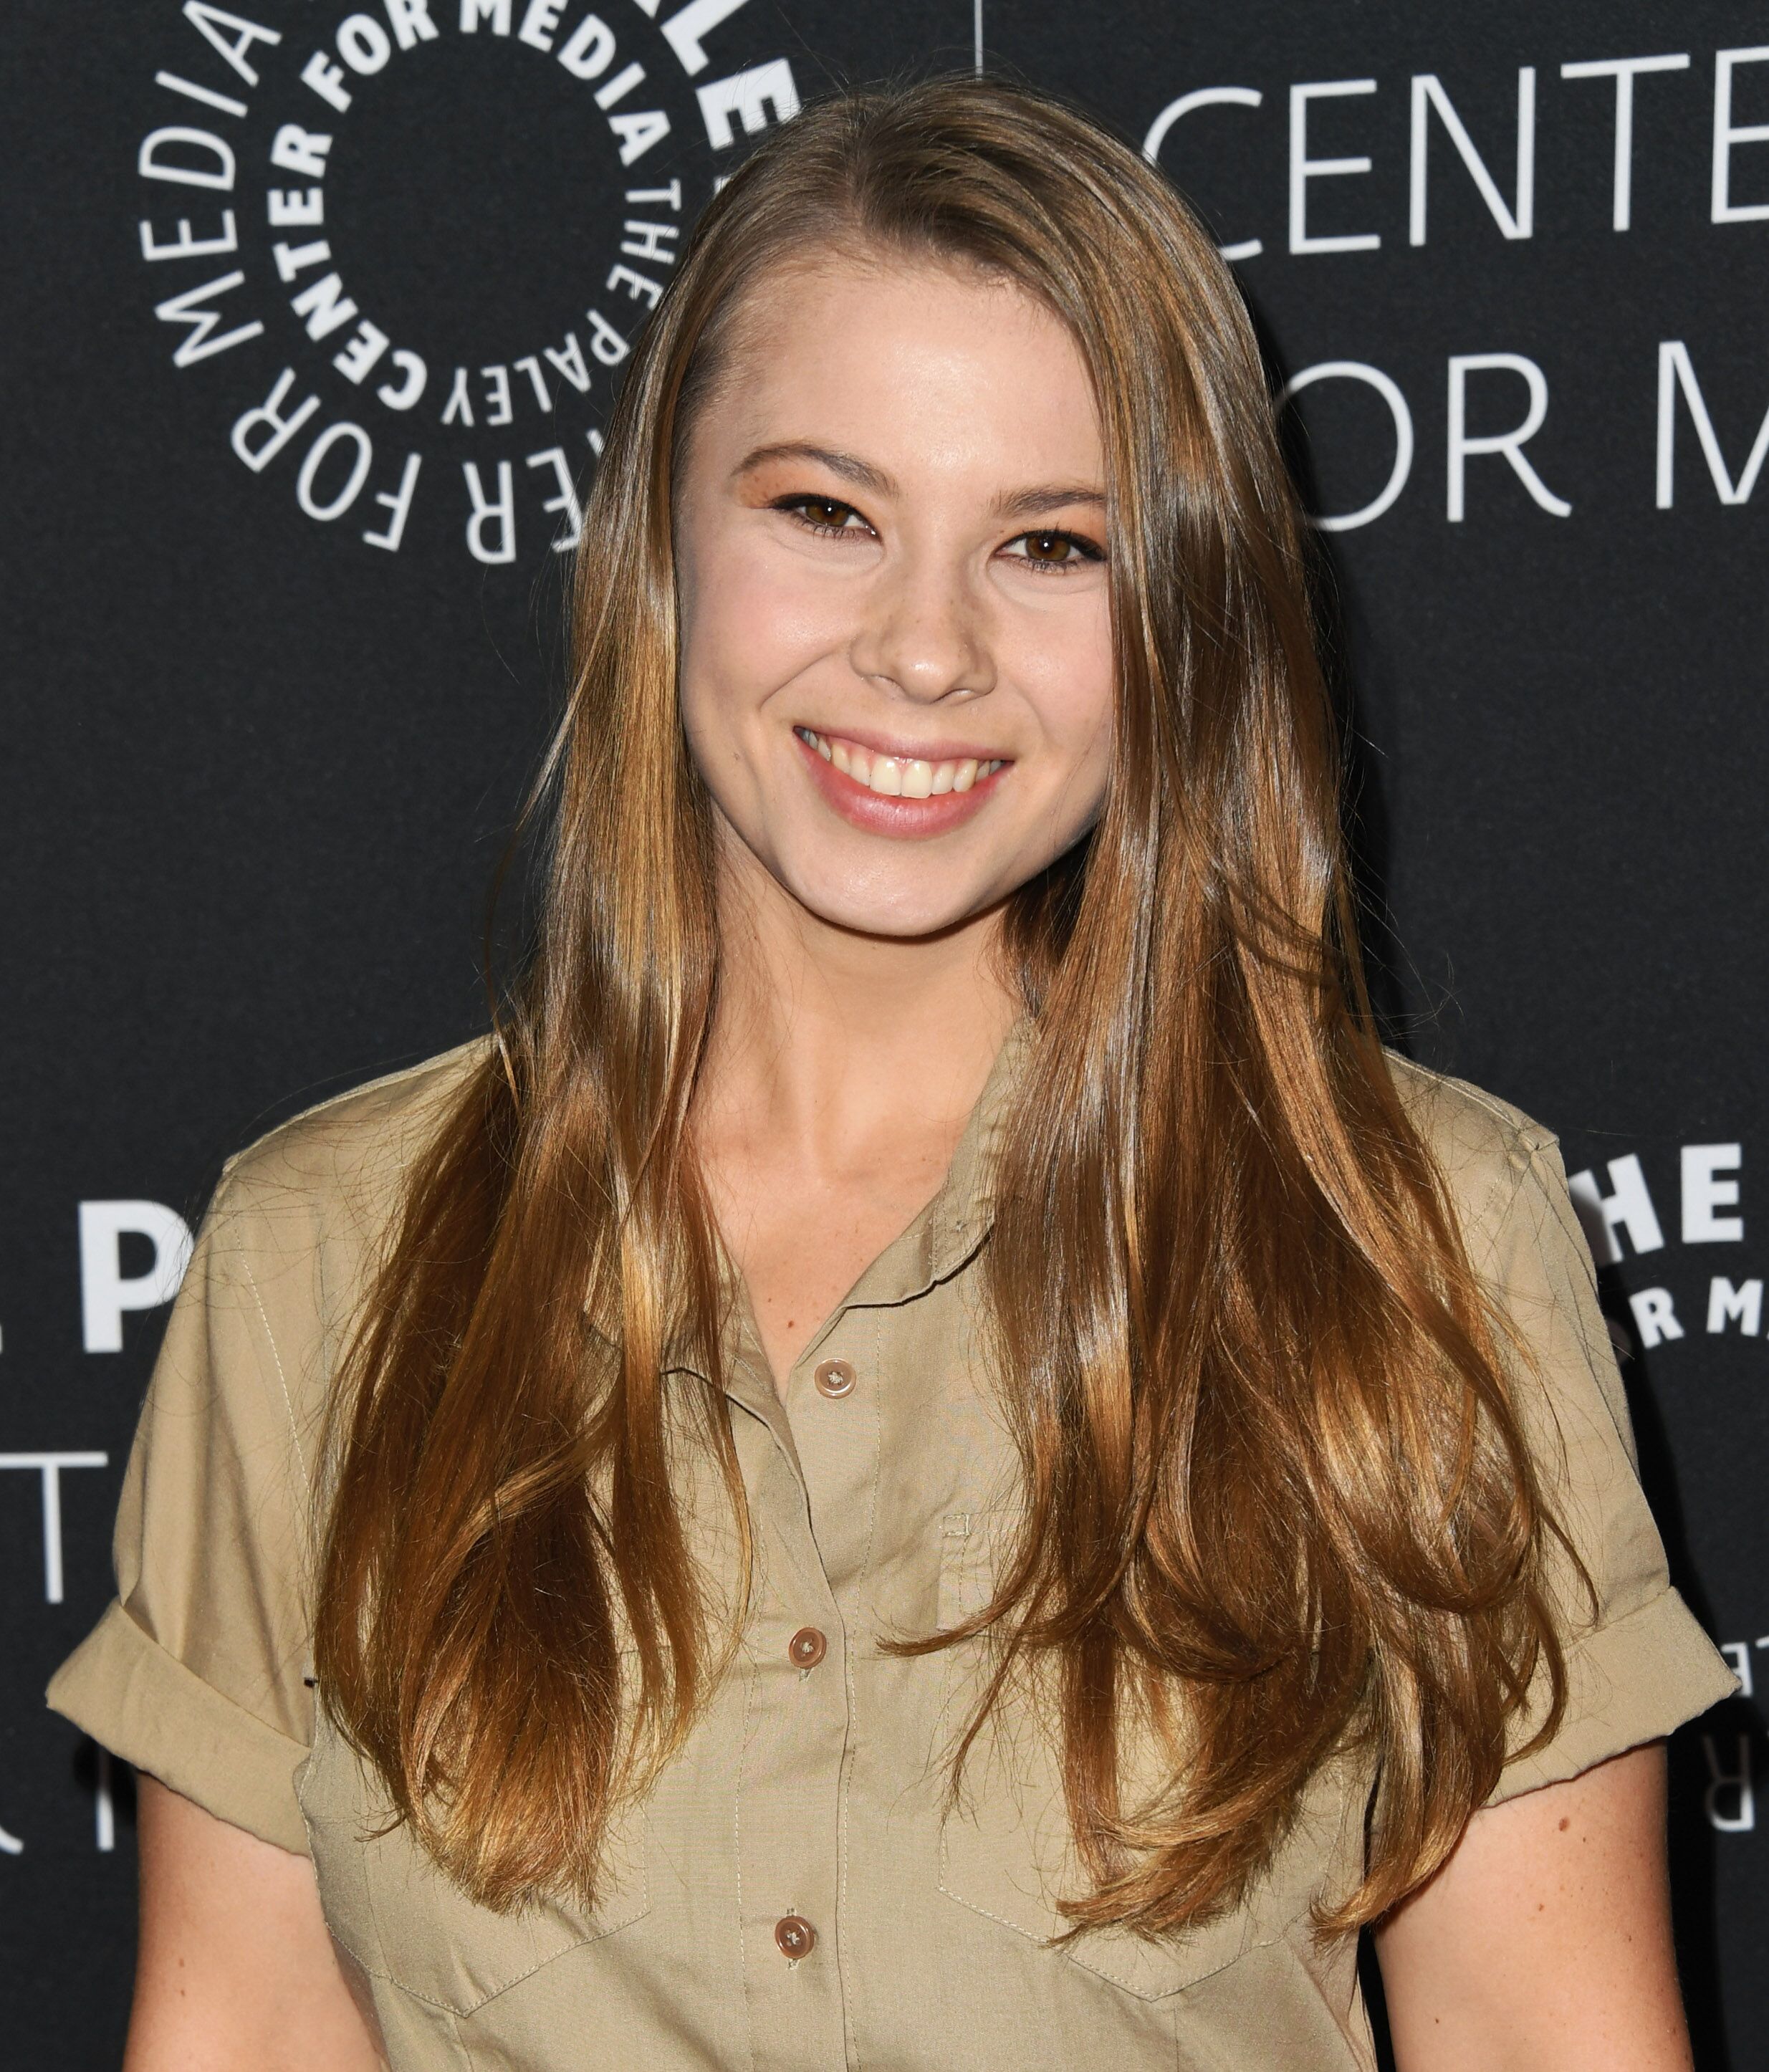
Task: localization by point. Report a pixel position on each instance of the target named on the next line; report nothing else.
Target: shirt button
(807, 1647)
(833, 1378)
(794, 1937)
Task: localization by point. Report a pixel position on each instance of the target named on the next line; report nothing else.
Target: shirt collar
(944, 1236)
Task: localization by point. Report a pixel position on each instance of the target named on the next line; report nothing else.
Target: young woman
(931, 1458)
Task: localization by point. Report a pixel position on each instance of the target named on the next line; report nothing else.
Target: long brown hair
(1274, 1482)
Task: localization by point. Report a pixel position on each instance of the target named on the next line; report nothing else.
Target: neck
(824, 1041)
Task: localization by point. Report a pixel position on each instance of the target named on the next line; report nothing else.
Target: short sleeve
(1638, 1663)
(197, 1672)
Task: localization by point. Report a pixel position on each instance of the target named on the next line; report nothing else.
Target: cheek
(750, 621)
(1066, 667)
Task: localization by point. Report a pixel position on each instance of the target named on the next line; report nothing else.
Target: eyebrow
(1028, 502)
(1016, 503)
(849, 467)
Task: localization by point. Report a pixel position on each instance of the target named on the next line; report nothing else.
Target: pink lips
(904, 818)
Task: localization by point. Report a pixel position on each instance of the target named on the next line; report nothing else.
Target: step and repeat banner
(314, 318)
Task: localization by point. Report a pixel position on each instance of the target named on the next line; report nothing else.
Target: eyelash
(1090, 554)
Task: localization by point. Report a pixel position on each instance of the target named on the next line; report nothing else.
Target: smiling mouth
(898, 776)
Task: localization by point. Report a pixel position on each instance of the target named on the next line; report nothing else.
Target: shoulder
(1485, 1148)
(360, 1143)
(319, 1191)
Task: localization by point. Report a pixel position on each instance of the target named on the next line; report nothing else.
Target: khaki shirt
(881, 1491)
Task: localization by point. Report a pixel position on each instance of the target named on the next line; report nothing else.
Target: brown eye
(824, 511)
(1060, 553)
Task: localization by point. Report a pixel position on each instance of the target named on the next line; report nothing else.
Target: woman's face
(896, 652)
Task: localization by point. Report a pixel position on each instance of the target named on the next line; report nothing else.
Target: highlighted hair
(1275, 1490)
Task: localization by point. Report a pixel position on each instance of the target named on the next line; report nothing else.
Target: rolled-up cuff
(144, 1705)
(1627, 1682)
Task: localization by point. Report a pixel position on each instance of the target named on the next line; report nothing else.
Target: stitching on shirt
(737, 1856)
(1518, 1128)
(1483, 1226)
(1523, 1143)
(288, 1400)
(854, 1696)
(1118, 1977)
(1358, 2034)
(382, 1971)
(1503, 1114)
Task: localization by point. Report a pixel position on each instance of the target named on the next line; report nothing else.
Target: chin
(905, 917)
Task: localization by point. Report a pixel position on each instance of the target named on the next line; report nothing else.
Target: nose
(922, 632)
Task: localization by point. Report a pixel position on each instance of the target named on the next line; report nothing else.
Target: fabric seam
(283, 1378)
(737, 1856)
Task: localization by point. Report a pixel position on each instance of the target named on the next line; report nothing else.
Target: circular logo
(412, 246)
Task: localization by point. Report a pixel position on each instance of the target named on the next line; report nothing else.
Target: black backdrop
(273, 680)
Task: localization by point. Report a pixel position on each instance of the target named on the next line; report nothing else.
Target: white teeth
(899, 776)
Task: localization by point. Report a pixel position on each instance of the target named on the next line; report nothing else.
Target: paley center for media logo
(360, 419)
(1626, 1223)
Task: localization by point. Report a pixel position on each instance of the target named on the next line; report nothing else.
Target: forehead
(921, 365)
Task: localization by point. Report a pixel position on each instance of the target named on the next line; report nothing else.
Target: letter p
(105, 1290)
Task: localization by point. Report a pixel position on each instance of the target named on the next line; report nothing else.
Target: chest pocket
(1006, 1850)
(404, 1922)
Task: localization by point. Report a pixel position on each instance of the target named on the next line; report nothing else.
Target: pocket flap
(1007, 1852)
(403, 1921)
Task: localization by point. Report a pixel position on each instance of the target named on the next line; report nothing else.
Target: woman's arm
(1544, 1944)
(236, 1967)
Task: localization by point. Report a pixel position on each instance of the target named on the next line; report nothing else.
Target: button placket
(791, 1819)
(789, 1810)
